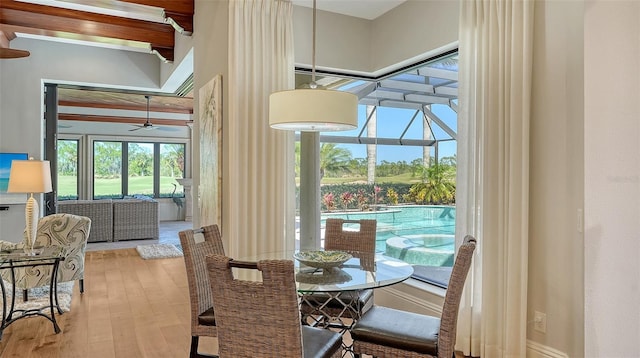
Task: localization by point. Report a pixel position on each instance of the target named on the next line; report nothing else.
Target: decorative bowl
(322, 259)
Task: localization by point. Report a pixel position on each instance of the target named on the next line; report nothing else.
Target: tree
(437, 186)
(172, 160)
(107, 161)
(333, 159)
(68, 157)
(140, 160)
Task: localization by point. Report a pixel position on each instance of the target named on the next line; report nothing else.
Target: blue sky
(392, 122)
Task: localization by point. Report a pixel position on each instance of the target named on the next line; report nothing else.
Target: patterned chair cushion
(66, 230)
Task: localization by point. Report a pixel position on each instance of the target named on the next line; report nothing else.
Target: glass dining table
(320, 287)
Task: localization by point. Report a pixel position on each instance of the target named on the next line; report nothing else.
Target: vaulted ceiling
(150, 26)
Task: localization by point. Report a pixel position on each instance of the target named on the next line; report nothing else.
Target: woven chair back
(449, 319)
(256, 319)
(340, 235)
(196, 245)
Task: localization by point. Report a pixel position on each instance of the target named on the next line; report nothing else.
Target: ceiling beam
(4, 39)
(439, 73)
(40, 17)
(124, 106)
(407, 86)
(180, 11)
(128, 120)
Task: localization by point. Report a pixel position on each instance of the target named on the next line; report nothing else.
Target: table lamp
(29, 177)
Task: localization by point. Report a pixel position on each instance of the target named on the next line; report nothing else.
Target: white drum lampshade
(313, 110)
(29, 177)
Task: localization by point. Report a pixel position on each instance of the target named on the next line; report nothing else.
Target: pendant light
(313, 109)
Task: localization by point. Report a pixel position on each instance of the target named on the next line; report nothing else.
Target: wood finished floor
(130, 308)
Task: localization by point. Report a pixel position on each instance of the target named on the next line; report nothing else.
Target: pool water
(422, 235)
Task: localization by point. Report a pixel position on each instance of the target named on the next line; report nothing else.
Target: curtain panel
(260, 204)
(495, 65)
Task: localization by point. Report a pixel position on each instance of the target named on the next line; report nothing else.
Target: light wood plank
(130, 308)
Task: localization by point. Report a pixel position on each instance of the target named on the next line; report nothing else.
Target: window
(140, 171)
(107, 169)
(399, 165)
(171, 167)
(68, 169)
(150, 169)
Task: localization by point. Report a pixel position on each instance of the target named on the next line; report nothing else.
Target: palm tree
(437, 186)
(334, 159)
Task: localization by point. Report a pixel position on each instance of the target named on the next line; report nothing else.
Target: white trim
(388, 69)
(413, 300)
(538, 350)
(427, 287)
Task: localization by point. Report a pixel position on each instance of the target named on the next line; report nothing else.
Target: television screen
(5, 169)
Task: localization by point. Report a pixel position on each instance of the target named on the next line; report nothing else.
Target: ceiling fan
(148, 125)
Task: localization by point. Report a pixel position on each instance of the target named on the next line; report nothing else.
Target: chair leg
(25, 295)
(82, 285)
(194, 346)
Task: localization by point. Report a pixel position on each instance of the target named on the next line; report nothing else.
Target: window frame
(89, 154)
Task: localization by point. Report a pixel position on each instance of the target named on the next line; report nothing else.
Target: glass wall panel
(67, 169)
(171, 168)
(140, 166)
(107, 169)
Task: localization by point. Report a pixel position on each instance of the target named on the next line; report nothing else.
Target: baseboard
(537, 350)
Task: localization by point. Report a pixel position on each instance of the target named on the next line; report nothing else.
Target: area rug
(158, 251)
(39, 297)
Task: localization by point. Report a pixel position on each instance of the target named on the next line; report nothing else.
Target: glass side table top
(38, 254)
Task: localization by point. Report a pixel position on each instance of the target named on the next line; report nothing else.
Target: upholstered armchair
(65, 230)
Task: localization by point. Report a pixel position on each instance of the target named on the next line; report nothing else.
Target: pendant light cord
(313, 49)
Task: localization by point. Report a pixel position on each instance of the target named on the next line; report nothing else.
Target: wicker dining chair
(360, 243)
(386, 332)
(196, 245)
(258, 317)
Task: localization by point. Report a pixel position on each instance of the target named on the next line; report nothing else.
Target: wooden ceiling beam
(127, 120)
(4, 39)
(34, 16)
(131, 107)
(180, 11)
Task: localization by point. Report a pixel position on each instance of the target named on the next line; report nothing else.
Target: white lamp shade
(313, 110)
(30, 176)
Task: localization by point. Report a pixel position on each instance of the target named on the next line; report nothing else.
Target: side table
(12, 259)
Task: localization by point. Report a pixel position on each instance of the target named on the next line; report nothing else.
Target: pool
(417, 234)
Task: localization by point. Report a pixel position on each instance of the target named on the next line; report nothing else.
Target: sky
(391, 123)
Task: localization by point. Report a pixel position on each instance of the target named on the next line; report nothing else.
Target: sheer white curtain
(495, 64)
(260, 202)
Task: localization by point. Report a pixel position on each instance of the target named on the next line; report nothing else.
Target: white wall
(210, 58)
(414, 28)
(358, 46)
(612, 178)
(555, 284)
(342, 42)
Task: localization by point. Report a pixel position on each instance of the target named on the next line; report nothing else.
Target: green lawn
(111, 187)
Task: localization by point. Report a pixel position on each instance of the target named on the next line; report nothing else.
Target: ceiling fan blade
(135, 129)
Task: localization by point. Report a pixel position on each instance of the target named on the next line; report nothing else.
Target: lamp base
(31, 215)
